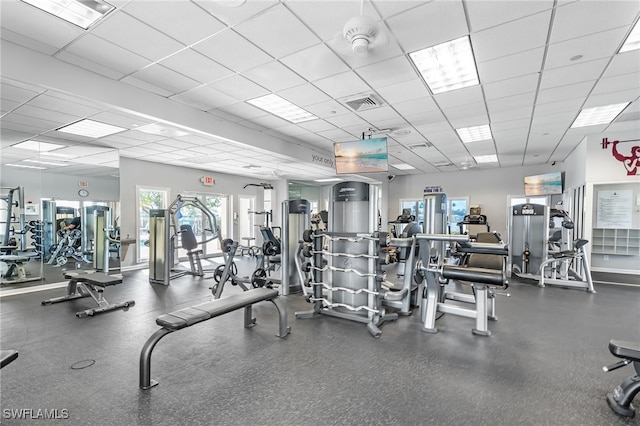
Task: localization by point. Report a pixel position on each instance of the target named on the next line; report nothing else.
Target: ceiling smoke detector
(360, 31)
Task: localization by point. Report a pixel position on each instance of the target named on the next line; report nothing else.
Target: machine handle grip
(617, 365)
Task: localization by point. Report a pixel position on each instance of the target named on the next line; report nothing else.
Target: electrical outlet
(605, 257)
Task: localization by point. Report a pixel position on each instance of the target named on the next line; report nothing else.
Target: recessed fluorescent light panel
(37, 146)
(486, 158)
(24, 166)
(447, 66)
(633, 40)
(328, 180)
(275, 105)
(475, 134)
(91, 129)
(402, 166)
(82, 13)
(598, 115)
(49, 163)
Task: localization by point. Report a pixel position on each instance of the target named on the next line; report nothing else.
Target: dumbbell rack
(349, 286)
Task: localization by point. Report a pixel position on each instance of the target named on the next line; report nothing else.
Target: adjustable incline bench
(187, 317)
(82, 284)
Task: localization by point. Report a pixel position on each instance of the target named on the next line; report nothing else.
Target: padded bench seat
(98, 279)
(624, 349)
(90, 284)
(477, 275)
(187, 317)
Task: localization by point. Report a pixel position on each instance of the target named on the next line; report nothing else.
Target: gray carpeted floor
(541, 366)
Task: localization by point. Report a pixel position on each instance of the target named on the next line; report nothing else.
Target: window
(147, 199)
(457, 210)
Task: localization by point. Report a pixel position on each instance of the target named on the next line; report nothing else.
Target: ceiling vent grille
(420, 145)
(363, 102)
(443, 164)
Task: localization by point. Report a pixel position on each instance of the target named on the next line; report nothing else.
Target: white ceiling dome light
(360, 32)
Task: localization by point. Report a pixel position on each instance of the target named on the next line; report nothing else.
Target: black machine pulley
(226, 245)
(384, 239)
(217, 275)
(270, 248)
(307, 236)
(307, 251)
(259, 278)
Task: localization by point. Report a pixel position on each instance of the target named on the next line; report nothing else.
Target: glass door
(147, 199)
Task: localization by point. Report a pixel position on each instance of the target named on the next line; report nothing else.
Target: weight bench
(15, 266)
(82, 284)
(7, 357)
(187, 317)
(620, 398)
(485, 269)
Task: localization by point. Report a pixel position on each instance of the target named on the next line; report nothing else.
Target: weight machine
(164, 231)
(541, 252)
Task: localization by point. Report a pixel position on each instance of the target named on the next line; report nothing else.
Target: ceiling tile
(41, 26)
(89, 65)
(327, 18)
(510, 102)
(428, 25)
(486, 14)
(315, 62)
(594, 46)
(388, 72)
(617, 83)
(278, 32)
(205, 98)
(404, 91)
(97, 50)
(593, 16)
(316, 125)
(457, 97)
(234, 15)
(623, 63)
(342, 85)
(196, 66)
(239, 87)
(498, 41)
(346, 120)
(511, 66)
(184, 21)
(581, 72)
(569, 91)
(415, 106)
(139, 38)
(327, 109)
(274, 76)
(232, 50)
(612, 98)
(243, 110)
(165, 78)
(512, 86)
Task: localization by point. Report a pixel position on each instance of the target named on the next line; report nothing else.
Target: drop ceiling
(177, 76)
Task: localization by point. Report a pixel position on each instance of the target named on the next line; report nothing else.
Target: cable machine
(164, 230)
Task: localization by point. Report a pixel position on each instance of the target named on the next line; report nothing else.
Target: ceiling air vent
(442, 164)
(420, 145)
(363, 102)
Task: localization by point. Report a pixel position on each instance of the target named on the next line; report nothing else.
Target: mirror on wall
(71, 219)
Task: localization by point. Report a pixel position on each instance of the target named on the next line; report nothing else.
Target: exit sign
(207, 180)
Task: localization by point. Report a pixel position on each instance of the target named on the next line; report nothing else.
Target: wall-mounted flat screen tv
(363, 156)
(546, 184)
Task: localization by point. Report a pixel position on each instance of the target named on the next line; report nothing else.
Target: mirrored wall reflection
(71, 217)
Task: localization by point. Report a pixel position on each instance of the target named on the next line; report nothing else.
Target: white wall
(178, 180)
(605, 172)
(39, 184)
(486, 188)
